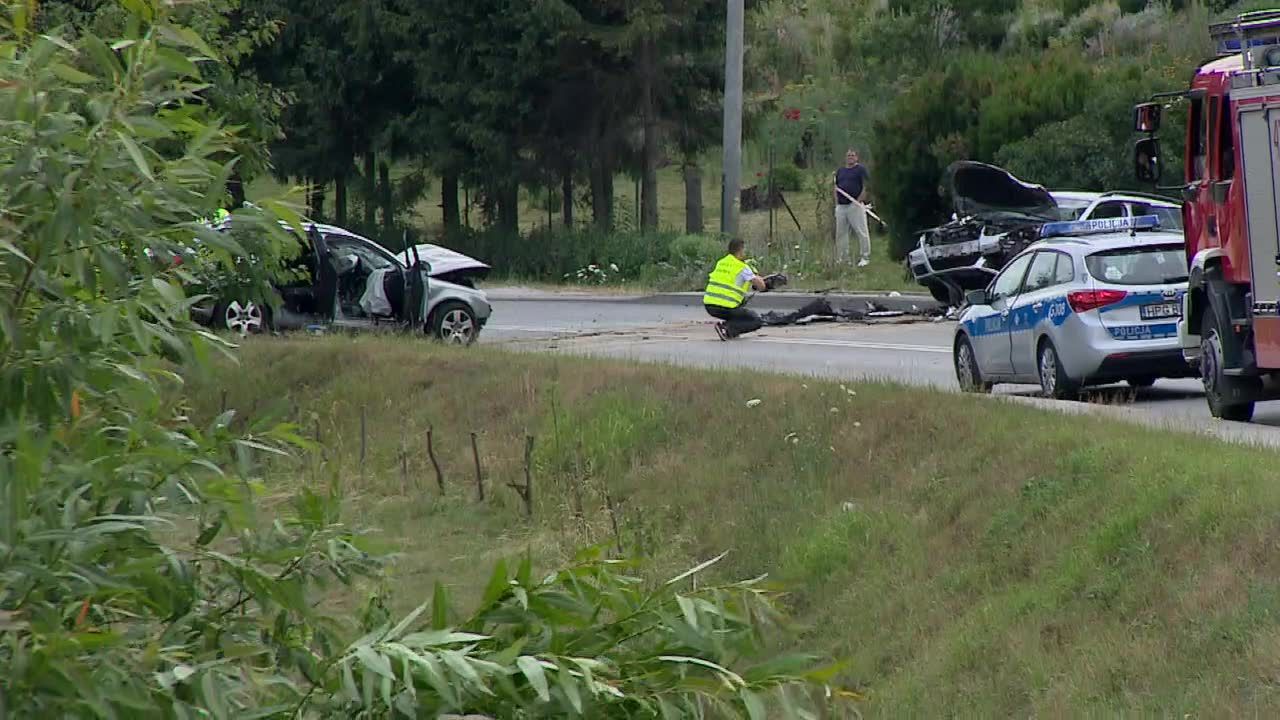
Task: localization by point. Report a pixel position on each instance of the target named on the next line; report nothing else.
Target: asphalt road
(917, 353)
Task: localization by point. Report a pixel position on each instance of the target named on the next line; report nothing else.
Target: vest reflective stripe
(723, 289)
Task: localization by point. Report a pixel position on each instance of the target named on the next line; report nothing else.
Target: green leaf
(690, 612)
(208, 534)
(70, 74)
(440, 607)
(569, 686)
(724, 672)
(536, 676)
(170, 293)
(698, 569)
(394, 633)
(754, 705)
(375, 661)
(498, 584)
(136, 154)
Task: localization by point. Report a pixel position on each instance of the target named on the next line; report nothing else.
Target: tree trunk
(370, 190)
(566, 196)
(649, 177)
(315, 200)
(692, 197)
(602, 195)
(340, 199)
(388, 202)
(509, 208)
(449, 203)
(235, 188)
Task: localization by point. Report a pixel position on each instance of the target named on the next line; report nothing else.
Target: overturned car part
(996, 217)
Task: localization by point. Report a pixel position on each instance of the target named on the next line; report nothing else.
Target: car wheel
(967, 372)
(1139, 383)
(242, 318)
(1214, 379)
(455, 323)
(1053, 377)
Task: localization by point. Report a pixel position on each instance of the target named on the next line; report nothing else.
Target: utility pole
(732, 119)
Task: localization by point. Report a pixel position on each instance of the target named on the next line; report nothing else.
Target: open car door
(415, 291)
(326, 278)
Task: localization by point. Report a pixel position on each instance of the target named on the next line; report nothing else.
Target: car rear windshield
(1156, 265)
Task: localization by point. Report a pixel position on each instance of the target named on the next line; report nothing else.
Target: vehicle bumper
(969, 272)
(1151, 363)
(1091, 354)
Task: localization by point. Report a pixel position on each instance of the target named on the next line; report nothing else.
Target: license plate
(1160, 311)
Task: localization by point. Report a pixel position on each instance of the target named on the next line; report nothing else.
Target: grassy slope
(971, 557)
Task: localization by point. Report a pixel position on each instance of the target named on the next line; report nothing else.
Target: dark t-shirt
(850, 180)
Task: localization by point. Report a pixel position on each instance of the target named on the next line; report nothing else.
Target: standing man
(727, 288)
(851, 213)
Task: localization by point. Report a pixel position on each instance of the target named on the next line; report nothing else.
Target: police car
(1093, 302)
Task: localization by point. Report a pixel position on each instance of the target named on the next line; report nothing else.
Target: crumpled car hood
(978, 189)
(444, 261)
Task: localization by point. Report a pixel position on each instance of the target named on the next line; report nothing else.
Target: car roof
(1076, 195)
(1087, 244)
(1141, 198)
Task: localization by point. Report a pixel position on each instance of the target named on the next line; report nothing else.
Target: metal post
(769, 195)
(732, 118)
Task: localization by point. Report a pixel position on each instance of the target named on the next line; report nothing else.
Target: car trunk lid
(1138, 290)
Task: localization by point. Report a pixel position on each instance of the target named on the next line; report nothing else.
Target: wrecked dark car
(996, 217)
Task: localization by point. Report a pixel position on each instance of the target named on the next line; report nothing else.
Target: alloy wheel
(244, 319)
(457, 327)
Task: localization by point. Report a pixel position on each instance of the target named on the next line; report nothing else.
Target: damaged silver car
(998, 215)
(342, 280)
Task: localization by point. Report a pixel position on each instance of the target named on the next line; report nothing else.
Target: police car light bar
(1094, 227)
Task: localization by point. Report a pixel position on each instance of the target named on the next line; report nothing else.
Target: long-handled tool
(857, 202)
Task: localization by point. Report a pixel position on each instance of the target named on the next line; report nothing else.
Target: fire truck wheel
(1215, 381)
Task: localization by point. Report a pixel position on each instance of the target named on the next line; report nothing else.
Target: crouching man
(727, 289)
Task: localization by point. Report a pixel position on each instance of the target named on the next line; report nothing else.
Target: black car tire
(967, 372)
(1138, 383)
(1214, 379)
(454, 323)
(1054, 381)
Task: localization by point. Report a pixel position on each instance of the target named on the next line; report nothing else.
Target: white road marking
(518, 328)
(855, 344)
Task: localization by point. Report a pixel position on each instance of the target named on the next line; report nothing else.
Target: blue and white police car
(1093, 302)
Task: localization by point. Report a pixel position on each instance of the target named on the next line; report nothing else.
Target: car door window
(1008, 282)
(1107, 210)
(1042, 272)
(369, 257)
(1064, 270)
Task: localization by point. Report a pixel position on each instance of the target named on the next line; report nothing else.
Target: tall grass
(972, 558)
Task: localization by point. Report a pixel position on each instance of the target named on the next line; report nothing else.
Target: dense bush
(144, 570)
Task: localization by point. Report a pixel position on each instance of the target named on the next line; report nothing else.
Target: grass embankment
(968, 556)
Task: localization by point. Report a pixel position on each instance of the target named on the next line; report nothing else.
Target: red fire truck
(1230, 326)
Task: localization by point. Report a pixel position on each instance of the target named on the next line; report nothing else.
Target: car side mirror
(1146, 160)
(976, 297)
(1146, 117)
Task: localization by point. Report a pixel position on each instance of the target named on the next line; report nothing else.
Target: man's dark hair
(735, 246)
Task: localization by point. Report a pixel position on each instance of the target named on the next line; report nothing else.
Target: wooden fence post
(431, 453)
(475, 454)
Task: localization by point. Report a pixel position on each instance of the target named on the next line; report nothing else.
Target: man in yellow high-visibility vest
(727, 289)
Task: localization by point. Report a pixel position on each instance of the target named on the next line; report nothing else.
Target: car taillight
(1087, 300)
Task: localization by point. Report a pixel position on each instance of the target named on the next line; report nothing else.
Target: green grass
(969, 556)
